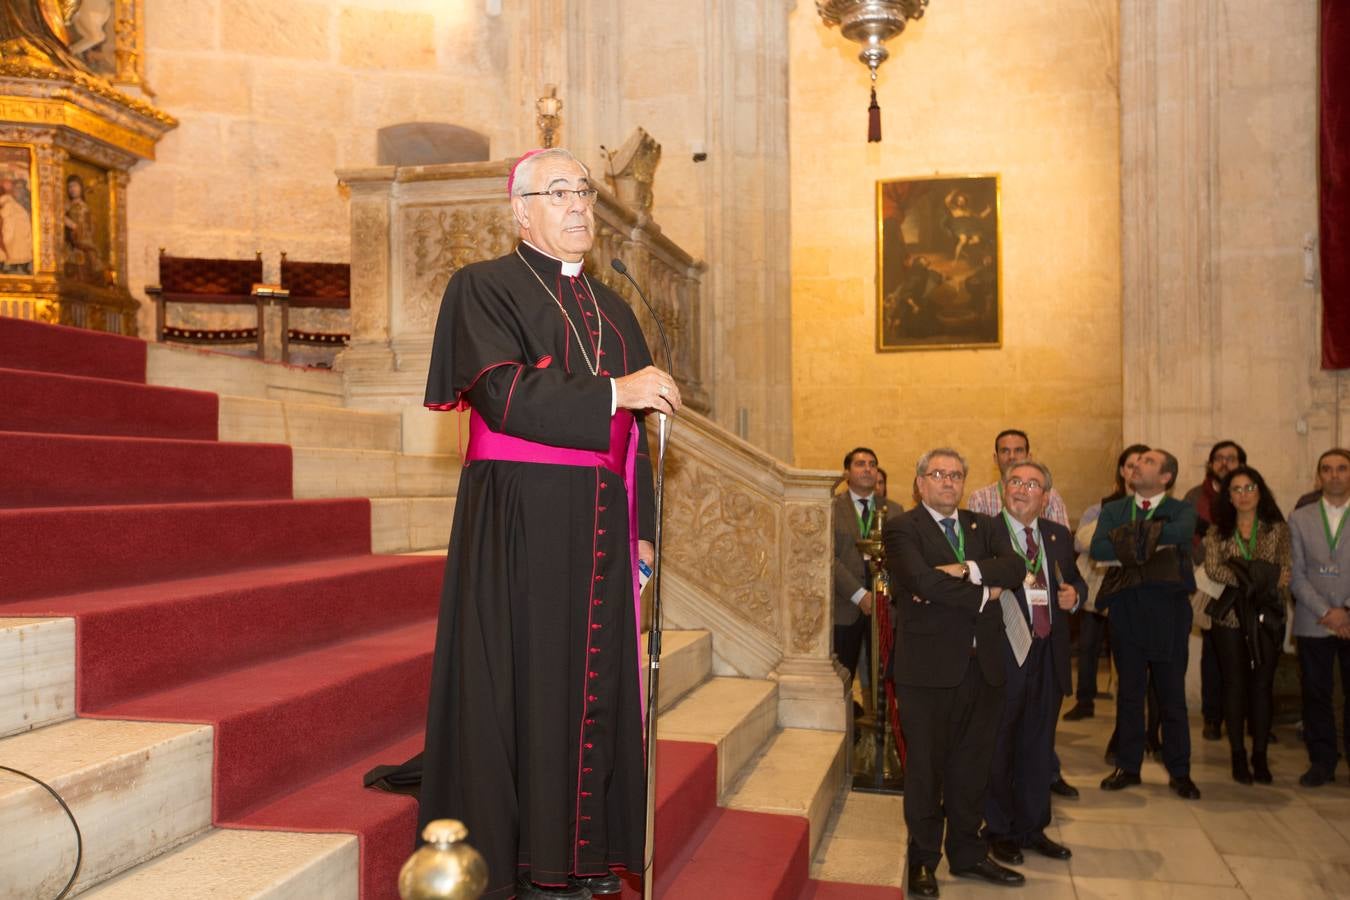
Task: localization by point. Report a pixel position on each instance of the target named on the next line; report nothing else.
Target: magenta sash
(620, 458)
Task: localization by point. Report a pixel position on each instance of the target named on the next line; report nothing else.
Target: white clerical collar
(570, 269)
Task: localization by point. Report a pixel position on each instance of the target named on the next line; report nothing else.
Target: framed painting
(18, 235)
(939, 281)
(86, 224)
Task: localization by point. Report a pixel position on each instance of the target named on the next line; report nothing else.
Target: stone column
(369, 351)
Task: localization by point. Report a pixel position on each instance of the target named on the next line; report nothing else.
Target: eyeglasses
(563, 196)
(1248, 488)
(937, 475)
(1032, 486)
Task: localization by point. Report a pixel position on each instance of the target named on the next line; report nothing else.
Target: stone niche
(68, 140)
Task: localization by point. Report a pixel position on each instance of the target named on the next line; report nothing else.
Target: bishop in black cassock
(535, 728)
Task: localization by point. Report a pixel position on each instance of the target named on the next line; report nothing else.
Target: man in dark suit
(1037, 663)
(1146, 541)
(948, 568)
(854, 512)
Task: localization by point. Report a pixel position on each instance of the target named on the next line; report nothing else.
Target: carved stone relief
(807, 574)
(440, 242)
(724, 536)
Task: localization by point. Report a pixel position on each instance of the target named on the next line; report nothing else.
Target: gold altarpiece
(68, 140)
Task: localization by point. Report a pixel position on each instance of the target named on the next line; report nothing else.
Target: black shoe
(1316, 776)
(1184, 788)
(528, 890)
(1120, 779)
(1213, 730)
(1241, 774)
(1080, 711)
(990, 871)
(922, 882)
(1063, 788)
(598, 885)
(1261, 769)
(1006, 851)
(1046, 847)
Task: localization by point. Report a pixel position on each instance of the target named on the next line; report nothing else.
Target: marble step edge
(137, 789)
(238, 864)
(257, 419)
(798, 772)
(342, 472)
(736, 714)
(686, 662)
(200, 369)
(37, 673)
(410, 524)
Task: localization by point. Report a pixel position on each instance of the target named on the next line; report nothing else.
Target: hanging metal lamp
(871, 23)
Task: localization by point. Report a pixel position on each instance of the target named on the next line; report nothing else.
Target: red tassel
(874, 120)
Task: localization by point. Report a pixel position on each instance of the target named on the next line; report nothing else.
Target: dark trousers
(1317, 670)
(1212, 677)
(1091, 629)
(1248, 694)
(950, 735)
(1018, 807)
(1169, 677)
(848, 641)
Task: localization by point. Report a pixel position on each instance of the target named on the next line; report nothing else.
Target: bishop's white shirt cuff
(613, 398)
(857, 596)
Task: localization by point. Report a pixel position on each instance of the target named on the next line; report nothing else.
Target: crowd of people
(986, 596)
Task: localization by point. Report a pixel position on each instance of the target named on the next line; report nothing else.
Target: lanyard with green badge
(959, 548)
(1134, 507)
(1248, 547)
(1332, 539)
(1033, 566)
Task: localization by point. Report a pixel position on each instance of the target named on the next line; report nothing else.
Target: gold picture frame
(939, 263)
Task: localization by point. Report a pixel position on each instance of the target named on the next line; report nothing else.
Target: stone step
(230, 864)
(136, 788)
(686, 662)
(736, 714)
(410, 524)
(175, 365)
(330, 472)
(307, 424)
(37, 673)
(799, 773)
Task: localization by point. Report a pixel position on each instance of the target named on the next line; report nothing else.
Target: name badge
(1330, 570)
(1038, 596)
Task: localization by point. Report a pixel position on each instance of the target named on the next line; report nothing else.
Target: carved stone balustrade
(748, 556)
(414, 226)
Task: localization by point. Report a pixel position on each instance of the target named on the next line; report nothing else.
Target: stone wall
(1027, 91)
(273, 97)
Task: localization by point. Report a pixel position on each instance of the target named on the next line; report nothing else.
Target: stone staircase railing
(748, 555)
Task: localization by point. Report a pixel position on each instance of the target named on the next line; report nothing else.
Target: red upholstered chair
(314, 285)
(227, 282)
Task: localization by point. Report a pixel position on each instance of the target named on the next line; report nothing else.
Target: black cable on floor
(79, 838)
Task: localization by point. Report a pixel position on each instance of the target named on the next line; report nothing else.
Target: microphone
(617, 265)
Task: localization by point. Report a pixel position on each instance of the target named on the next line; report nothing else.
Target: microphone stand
(654, 634)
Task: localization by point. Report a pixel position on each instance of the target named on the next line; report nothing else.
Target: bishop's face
(565, 231)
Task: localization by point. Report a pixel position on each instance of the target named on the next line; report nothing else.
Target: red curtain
(1334, 183)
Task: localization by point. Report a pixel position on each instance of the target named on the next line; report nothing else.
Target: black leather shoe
(1046, 847)
(1080, 711)
(528, 890)
(991, 872)
(1062, 788)
(1316, 776)
(922, 882)
(1212, 730)
(1261, 769)
(1241, 774)
(1120, 779)
(598, 885)
(1184, 788)
(1006, 851)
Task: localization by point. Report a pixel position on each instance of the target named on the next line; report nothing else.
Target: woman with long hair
(1247, 549)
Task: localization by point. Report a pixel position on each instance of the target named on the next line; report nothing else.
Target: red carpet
(203, 593)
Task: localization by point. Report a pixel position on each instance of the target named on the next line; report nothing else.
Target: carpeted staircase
(239, 658)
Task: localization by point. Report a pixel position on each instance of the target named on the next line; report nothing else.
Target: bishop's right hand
(648, 388)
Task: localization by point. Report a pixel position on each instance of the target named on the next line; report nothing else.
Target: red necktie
(1144, 505)
(1040, 614)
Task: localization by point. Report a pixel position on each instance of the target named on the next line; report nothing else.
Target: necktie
(865, 504)
(1040, 615)
(1145, 504)
(949, 525)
